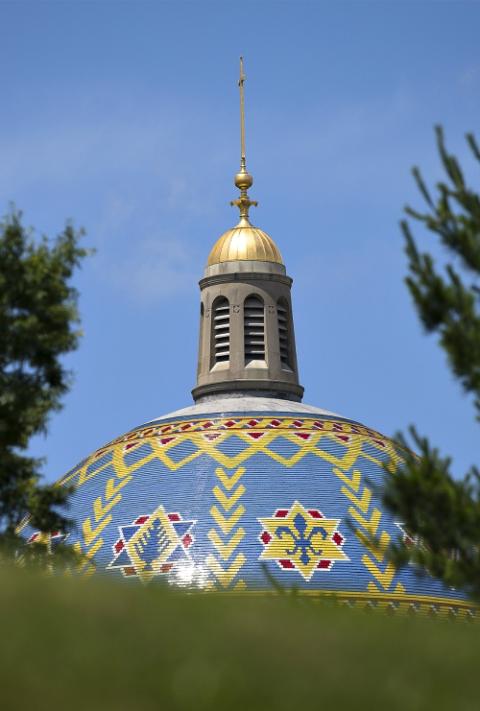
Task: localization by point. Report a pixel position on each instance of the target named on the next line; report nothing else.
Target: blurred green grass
(96, 644)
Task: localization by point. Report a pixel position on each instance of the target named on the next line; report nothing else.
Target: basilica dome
(239, 494)
(249, 489)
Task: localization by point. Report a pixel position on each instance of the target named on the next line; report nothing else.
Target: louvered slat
(282, 314)
(221, 331)
(254, 329)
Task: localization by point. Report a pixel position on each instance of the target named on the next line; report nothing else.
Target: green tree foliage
(441, 513)
(38, 324)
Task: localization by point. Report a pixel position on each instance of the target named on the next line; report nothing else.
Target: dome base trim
(399, 603)
(251, 388)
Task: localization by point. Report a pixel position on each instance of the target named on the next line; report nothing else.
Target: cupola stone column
(275, 374)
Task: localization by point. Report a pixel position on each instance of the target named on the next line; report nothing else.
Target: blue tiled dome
(237, 499)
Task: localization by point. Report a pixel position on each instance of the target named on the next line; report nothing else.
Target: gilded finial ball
(243, 180)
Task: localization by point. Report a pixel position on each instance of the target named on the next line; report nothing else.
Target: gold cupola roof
(244, 241)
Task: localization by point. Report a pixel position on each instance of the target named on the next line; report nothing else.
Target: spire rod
(243, 179)
(241, 82)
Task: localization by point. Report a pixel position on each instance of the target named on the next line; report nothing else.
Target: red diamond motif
(119, 546)
(230, 423)
(266, 537)
(187, 540)
(141, 519)
(252, 423)
(287, 564)
(275, 423)
(281, 513)
(337, 538)
(315, 513)
(324, 564)
(174, 516)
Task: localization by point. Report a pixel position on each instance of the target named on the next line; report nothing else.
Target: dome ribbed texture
(247, 499)
(245, 242)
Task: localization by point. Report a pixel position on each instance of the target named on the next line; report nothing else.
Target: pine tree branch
(441, 514)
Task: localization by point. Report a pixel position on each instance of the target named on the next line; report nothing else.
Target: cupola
(247, 339)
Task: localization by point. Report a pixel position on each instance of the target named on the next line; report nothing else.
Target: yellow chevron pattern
(228, 501)
(226, 549)
(164, 449)
(344, 446)
(229, 510)
(224, 572)
(226, 523)
(102, 506)
(369, 522)
(227, 574)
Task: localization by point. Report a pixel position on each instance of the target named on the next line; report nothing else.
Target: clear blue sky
(124, 117)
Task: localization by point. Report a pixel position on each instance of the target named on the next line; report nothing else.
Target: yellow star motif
(302, 538)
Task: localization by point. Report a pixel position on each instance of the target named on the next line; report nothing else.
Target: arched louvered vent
(254, 329)
(284, 333)
(220, 331)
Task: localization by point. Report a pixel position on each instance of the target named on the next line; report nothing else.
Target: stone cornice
(244, 277)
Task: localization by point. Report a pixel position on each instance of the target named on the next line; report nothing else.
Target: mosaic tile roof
(241, 502)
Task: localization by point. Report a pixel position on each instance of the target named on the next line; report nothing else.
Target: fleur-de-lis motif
(302, 539)
(302, 543)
